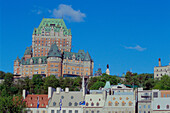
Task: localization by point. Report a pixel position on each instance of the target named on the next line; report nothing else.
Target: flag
(82, 103)
(60, 104)
(38, 103)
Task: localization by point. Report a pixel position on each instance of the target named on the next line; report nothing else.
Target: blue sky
(126, 34)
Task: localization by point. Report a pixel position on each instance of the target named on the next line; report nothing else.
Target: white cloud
(137, 47)
(37, 10)
(68, 13)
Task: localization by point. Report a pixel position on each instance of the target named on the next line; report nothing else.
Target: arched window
(123, 103)
(116, 103)
(92, 104)
(87, 104)
(130, 103)
(70, 104)
(75, 104)
(97, 104)
(109, 103)
(158, 106)
(167, 106)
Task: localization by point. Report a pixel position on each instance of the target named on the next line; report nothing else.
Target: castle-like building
(50, 53)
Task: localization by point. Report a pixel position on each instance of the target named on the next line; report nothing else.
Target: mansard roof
(54, 51)
(35, 60)
(78, 56)
(28, 51)
(48, 23)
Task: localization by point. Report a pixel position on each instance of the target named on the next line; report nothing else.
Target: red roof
(31, 101)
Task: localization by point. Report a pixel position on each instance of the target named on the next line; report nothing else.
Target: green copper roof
(87, 57)
(54, 51)
(35, 60)
(47, 24)
(28, 51)
(69, 55)
(80, 55)
(107, 85)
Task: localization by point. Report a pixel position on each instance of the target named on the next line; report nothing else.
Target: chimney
(58, 90)
(24, 93)
(49, 92)
(66, 89)
(159, 62)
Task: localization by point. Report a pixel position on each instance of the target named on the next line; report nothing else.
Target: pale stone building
(144, 101)
(160, 70)
(161, 101)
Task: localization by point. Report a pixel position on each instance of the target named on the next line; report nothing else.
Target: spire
(17, 59)
(54, 51)
(87, 57)
(28, 51)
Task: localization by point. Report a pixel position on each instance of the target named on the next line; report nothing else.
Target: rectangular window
(76, 111)
(144, 106)
(58, 111)
(155, 94)
(52, 111)
(149, 106)
(64, 111)
(70, 111)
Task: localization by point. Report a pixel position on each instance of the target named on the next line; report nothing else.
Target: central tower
(51, 31)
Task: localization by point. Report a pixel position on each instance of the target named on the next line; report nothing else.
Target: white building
(160, 70)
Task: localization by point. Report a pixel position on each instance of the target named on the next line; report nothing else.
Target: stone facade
(144, 101)
(160, 70)
(50, 53)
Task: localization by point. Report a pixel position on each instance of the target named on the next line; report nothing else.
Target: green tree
(50, 81)
(163, 84)
(97, 85)
(36, 84)
(2, 75)
(11, 104)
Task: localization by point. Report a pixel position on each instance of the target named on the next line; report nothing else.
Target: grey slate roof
(66, 99)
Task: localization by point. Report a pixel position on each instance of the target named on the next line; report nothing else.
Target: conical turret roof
(87, 57)
(54, 51)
